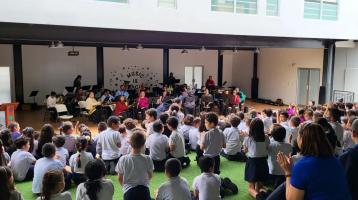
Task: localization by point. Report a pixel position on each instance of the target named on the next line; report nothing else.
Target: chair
(83, 111)
(62, 112)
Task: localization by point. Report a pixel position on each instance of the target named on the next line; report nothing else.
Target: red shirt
(120, 107)
(210, 83)
(235, 100)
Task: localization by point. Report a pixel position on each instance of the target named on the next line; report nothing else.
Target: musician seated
(242, 97)
(206, 98)
(93, 107)
(107, 98)
(210, 83)
(50, 103)
(121, 107)
(226, 97)
(142, 103)
(163, 98)
(235, 101)
(122, 92)
(80, 95)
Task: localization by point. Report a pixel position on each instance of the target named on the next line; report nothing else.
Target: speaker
(322, 95)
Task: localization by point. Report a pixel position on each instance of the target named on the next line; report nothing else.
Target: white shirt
(267, 124)
(51, 102)
(233, 142)
(347, 140)
(294, 133)
(85, 158)
(176, 188)
(135, 170)
(36, 145)
(213, 141)
(338, 129)
(106, 192)
(21, 161)
(194, 138)
(208, 186)
(107, 144)
(242, 126)
(185, 129)
(256, 149)
(273, 149)
(60, 196)
(41, 167)
(177, 140)
(288, 130)
(125, 146)
(158, 144)
(62, 155)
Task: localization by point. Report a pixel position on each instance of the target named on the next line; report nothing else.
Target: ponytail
(95, 171)
(81, 145)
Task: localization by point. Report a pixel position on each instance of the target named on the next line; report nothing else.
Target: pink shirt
(143, 102)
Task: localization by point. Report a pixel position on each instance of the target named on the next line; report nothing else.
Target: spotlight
(125, 48)
(139, 47)
(202, 49)
(59, 44)
(184, 51)
(52, 45)
(257, 50)
(235, 50)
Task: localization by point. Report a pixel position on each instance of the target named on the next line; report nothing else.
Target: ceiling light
(257, 50)
(184, 51)
(125, 48)
(139, 47)
(235, 50)
(52, 45)
(59, 44)
(202, 49)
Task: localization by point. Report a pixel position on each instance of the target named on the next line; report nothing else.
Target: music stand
(177, 81)
(86, 87)
(33, 94)
(70, 89)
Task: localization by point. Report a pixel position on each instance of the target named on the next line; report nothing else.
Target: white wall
(207, 59)
(191, 16)
(119, 63)
(49, 70)
(277, 71)
(7, 60)
(242, 70)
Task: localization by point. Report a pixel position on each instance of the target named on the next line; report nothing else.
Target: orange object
(9, 109)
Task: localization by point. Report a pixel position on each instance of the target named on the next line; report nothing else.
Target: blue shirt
(320, 178)
(122, 93)
(350, 163)
(15, 135)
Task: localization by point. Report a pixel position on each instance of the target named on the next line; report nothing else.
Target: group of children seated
(53, 162)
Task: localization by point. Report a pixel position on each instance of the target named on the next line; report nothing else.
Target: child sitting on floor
(176, 142)
(61, 152)
(213, 141)
(70, 140)
(207, 185)
(194, 134)
(22, 161)
(7, 188)
(233, 142)
(96, 186)
(176, 187)
(135, 170)
(158, 146)
(79, 160)
(53, 184)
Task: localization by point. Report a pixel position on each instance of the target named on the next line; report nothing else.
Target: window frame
(175, 5)
(278, 9)
(321, 10)
(235, 8)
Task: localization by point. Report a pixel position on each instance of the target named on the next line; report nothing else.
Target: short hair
(122, 129)
(314, 141)
(212, 117)
(173, 122)
(284, 113)
(137, 139)
(188, 120)
(157, 126)
(163, 117)
(197, 120)
(355, 126)
(173, 167)
(112, 120)
(335, 114)
(21, 141)
(241, 115)
(309, 112)
(48, 150)
(129, 123)
(296, 121)
(13, 125)
(234, 120)
(58, 141)
(349, 105)
(67, 126)
(102, 126)
(53, 93)
(268, 112)
(206, 163)
(278, 133)
(152, 113)
(317, 114)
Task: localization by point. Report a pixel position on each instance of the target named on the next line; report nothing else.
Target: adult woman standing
(77, 82)
(318, 175)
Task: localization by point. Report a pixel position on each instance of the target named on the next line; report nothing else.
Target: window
(321, 9)
(117, 1)
(223, 5)
(246, 6)
(167, 3)
(194, 75)
(272, 8)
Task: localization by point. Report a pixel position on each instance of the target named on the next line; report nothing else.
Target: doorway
(194, 75)
(308, 85)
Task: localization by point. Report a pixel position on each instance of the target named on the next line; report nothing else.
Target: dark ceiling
(18, 33)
